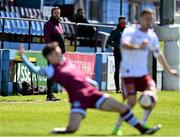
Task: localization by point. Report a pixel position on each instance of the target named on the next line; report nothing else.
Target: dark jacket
(83, 31)
(114, 38)
(79, 19)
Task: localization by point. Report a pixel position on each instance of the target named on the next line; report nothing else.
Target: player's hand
(174, 72)
(144, 44)
(21, 50)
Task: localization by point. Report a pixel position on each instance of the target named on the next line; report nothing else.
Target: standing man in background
(53, 31)
(114, 41)
(83, 31)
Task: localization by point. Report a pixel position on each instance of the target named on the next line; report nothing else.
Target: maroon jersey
(73, 81)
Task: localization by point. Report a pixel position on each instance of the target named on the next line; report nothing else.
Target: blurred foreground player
(81, 93)
(136, 43)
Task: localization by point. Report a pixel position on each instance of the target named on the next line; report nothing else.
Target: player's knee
(131, 103)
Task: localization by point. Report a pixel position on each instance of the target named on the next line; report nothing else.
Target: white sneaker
(58, 131)
(153, 129)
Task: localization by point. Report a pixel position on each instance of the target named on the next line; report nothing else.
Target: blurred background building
(103, 11)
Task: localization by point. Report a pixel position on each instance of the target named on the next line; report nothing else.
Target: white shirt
(135, 62)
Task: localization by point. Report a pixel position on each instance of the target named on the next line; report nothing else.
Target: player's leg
(74, 124)
(131, 101)
(147, 112)
(110, 104)
(129, 93)
(149, 84)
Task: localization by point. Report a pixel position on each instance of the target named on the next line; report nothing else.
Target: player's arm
(155, 48)
(47, 72)
(166, 66)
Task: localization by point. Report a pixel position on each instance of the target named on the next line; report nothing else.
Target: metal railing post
(3, 24)
(75, 43)
(96, 41)
(29, 36)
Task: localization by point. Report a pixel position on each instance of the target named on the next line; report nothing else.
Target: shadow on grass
(109, 135)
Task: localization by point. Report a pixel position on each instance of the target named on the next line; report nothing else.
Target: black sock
(132, 120)
(141, 128)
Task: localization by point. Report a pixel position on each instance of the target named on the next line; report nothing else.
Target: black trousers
(117, 59)
(50, 83)
(49, 87)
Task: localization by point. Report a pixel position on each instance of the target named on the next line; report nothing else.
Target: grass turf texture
(31, 115)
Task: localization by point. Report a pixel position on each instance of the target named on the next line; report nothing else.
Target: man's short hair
(49, 48)
(146, 11)
(78, 10)
(55, 8)
(121, 17)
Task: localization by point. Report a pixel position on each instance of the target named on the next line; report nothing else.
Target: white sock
(119, 122)
(147, 113)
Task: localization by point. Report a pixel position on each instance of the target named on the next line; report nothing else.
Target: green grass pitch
(31, 115)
